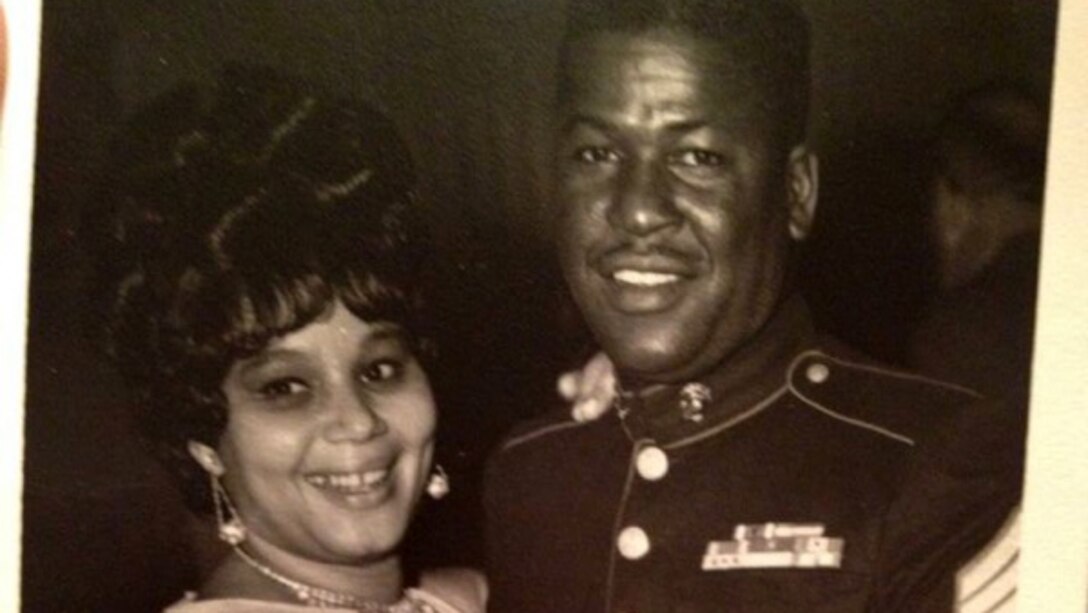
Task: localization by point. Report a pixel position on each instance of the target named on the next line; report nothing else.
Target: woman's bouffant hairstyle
(228, 220)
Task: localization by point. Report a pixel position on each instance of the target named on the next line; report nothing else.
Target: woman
(266, 309)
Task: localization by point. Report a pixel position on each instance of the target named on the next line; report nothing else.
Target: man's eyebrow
(596, 123)
(689, 125)
(578, 120)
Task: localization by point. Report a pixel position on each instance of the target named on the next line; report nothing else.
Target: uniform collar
(667, 413)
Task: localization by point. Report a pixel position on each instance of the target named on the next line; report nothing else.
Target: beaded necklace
(322, 598)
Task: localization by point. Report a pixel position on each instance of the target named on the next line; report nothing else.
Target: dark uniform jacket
(981, 334)
(812, 480)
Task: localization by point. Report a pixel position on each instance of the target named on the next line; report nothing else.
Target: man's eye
(596, 155)
(283, 387)
(698, 158)
(382, 371)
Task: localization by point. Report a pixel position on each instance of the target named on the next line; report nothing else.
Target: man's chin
(650, 364)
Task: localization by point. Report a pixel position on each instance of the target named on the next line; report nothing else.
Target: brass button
(652, 463)
(633, 543)
(818, 372)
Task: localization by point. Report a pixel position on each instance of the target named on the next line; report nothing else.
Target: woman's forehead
(335, 326)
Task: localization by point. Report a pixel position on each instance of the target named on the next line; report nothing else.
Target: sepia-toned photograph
(533, 306)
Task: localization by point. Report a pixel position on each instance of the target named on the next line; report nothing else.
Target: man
(751, 465)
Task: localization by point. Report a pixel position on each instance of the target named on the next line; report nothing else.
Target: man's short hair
(768, 39)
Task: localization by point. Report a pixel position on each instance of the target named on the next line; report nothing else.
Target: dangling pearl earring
(439, 484)
(231, 530)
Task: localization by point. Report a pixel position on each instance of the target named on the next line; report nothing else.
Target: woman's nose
(354, 418)
(643, 203)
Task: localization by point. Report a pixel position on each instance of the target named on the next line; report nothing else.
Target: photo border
(1053, 572)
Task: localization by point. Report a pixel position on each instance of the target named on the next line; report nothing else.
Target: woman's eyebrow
(264, 358)
(384, 332)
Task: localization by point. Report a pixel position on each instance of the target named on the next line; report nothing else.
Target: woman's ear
(803, 181)
(207, 458)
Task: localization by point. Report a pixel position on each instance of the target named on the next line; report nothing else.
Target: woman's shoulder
(458, 589)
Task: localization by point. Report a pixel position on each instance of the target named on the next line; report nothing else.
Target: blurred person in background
(986, 219)
(989, 158)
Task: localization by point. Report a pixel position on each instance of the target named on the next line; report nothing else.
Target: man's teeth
(349, 481)
(644, 279)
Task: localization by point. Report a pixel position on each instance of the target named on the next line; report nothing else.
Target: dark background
(470, 84)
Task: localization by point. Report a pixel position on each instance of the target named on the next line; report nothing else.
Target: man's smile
(644, 278)
(645, 281)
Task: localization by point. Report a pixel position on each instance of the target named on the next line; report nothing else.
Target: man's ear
(802, 187)
(207, 458)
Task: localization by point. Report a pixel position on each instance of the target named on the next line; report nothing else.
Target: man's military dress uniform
(795, 477)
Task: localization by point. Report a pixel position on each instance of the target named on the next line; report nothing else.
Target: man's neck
(740, 380)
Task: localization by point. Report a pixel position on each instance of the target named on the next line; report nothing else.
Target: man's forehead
(660, 53)
(661, 76)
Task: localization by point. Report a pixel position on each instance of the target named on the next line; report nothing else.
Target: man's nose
(354, 418)
(643, 200)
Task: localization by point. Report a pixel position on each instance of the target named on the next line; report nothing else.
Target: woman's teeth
(351, 483)
(644, 279)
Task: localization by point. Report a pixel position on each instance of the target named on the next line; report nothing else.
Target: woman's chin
(359, 527)
(353, 544)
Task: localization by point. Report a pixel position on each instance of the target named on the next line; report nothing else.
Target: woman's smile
(356, 490)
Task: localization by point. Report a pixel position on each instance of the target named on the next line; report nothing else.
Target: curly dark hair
(769, 40)
(227, 220)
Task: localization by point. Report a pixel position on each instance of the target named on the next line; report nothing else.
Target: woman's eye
(283, 387)
(698, 158)
(382, 371)
(596, 155)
